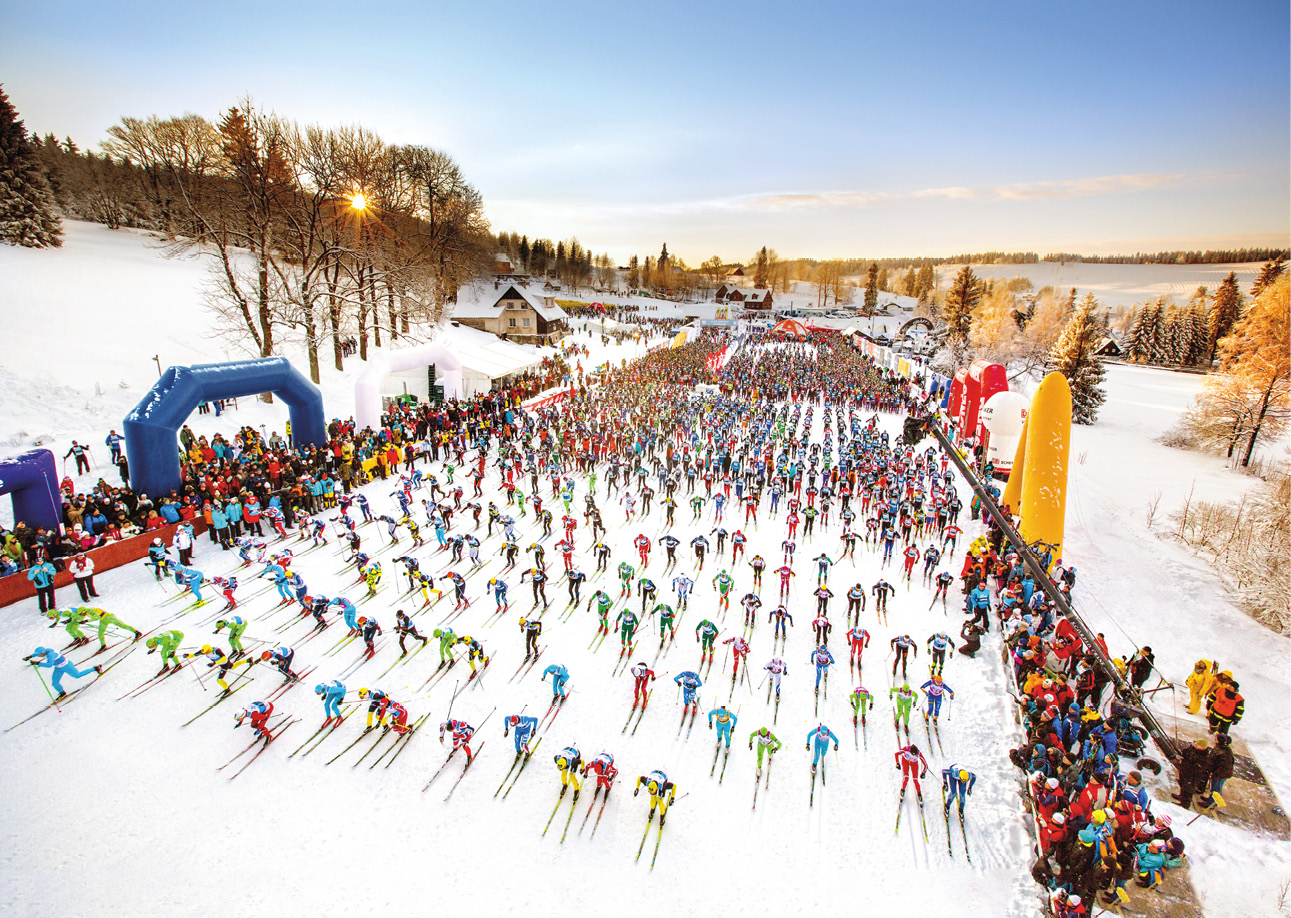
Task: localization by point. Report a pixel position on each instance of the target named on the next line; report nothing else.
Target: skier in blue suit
(332, 693)
(822, 659)
(60, 665)
(348, 612)
(823, 736)
(559, 676)
(191, 578)
(524, 728)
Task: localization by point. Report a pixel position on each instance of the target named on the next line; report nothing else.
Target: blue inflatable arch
(32, 481)
(150, 429)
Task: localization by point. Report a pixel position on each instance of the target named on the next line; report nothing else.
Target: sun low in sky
(820, 129)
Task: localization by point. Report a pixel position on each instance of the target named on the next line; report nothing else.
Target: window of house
(511, 322)
(526, 321)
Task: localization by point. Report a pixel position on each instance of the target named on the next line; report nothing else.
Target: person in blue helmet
(61, 666)
(332, 694)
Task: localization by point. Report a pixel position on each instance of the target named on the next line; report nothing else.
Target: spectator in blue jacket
(220, 523)
(41, 575)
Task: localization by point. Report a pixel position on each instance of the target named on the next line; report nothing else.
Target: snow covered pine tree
(27, 212)
(1073, 357)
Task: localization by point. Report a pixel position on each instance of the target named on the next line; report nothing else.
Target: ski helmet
(363, 620)
(266, 655)
(319, 689)
(363, 693)
(206, 648)
(914, 750)
(156, 541)
(963, 774)
(514, 720)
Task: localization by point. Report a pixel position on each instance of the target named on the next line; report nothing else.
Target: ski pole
(48, 690)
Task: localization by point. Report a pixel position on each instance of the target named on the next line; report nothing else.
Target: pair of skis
(634, 711)
(694, 712)
(757, 779)
(264, 742)
(945, 812)
(900, 808)
(657, 840)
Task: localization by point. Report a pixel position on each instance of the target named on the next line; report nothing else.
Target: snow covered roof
(491, 309)
(756, 296)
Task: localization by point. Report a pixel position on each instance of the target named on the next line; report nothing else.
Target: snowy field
(1116, 285)
(150, 826)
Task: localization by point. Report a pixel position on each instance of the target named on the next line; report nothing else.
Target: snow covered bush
(1249, 542)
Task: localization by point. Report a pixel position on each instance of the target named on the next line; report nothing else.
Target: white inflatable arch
(367, 390)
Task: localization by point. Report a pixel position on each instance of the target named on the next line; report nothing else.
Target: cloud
(1085, 187)
(1018, 191)
(815, 201)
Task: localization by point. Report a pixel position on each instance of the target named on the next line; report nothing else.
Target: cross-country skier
(642, 676)
(461, 733)
(406, 629)
(912, 764)
(165, 643)
(524, 728)
(331, 694)
(933, 689)
(236, 625)
(569, 760)
(662, 792)
(559, 676)
(690, 684)
(905, 699)
(902, 644)
(603, 767)
(281, 657)
(958, 781)
(257, 714)
(60, 665)
(726, 721)
(862, 701)
(767, 743)
(822, 659)
(822, 736)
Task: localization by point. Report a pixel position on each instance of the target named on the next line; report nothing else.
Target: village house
(518, 314)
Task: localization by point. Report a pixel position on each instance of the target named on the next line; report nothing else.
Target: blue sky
(819, 129)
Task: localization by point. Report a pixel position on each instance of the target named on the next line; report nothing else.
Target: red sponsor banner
(106, 557)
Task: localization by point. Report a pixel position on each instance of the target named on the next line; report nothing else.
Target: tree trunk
(334, 314)
(263, 305)
(1259, 420)
(376, 306)
(363, 316)
(394, 328)
(311, 340)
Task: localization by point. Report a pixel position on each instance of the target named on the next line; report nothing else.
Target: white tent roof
(487, 354)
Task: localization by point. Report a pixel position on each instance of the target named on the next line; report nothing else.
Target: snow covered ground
(146, 825)
(1116, 285)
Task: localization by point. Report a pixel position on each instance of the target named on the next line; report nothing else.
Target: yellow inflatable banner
(1044, 482)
